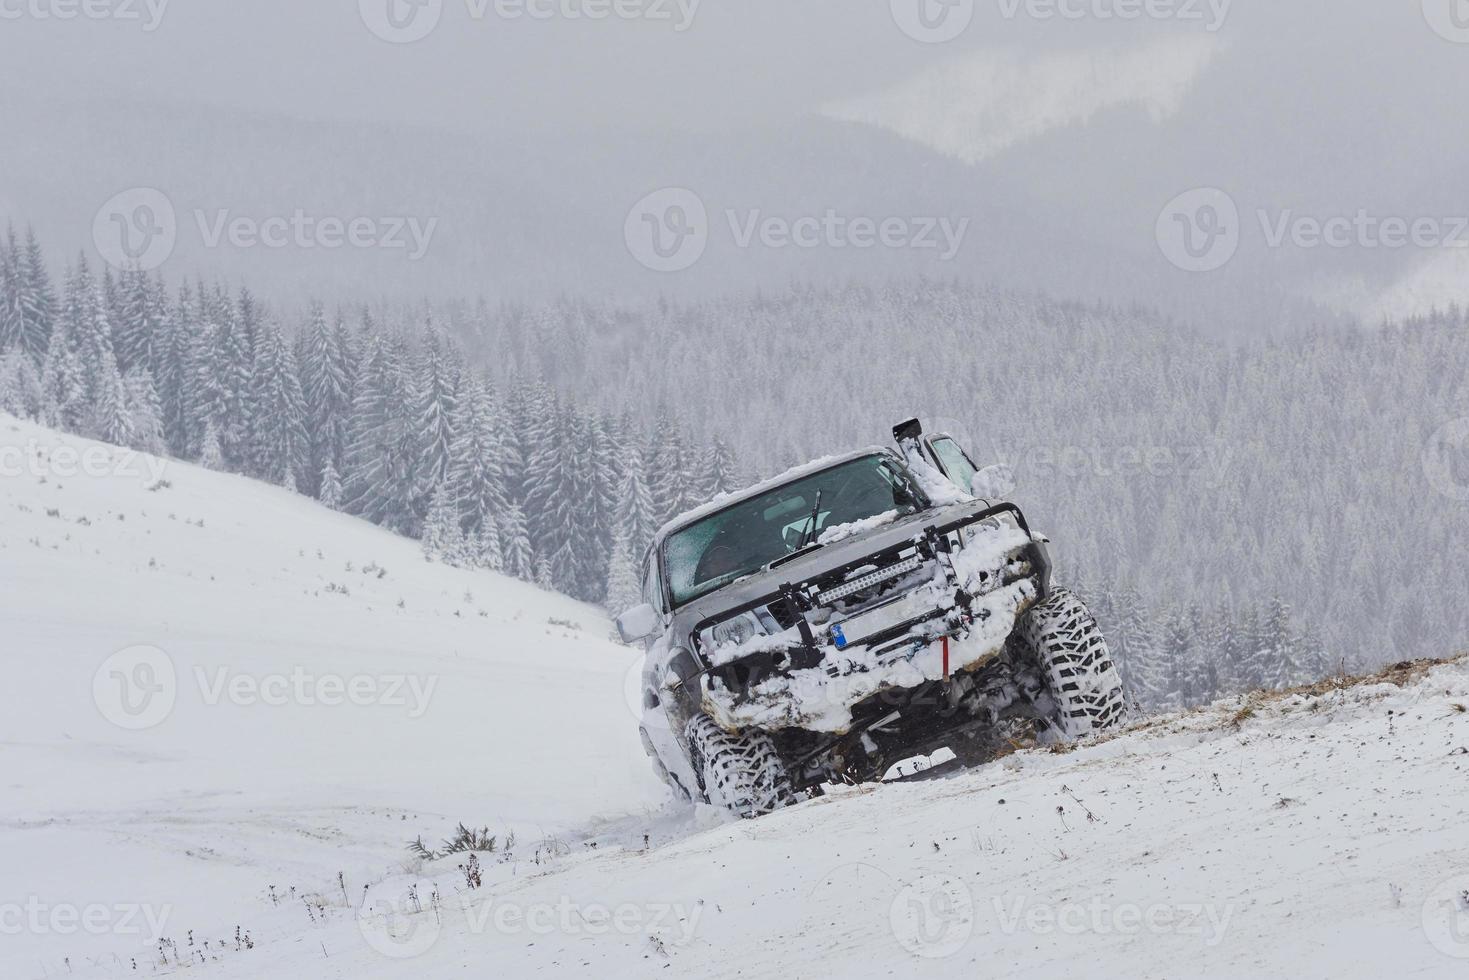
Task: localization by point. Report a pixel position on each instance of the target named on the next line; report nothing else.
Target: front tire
(1067, 646)
(744, 773)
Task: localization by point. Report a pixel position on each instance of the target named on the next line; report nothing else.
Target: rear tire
(744, 773)
(1063, 639)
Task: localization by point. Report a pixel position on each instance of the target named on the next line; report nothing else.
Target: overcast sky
(684, 63)
(1325, 104)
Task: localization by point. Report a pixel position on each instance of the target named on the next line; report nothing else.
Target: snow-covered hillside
(477, 698)
(1312, 834)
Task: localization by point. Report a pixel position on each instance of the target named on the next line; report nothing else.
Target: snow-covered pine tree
(717, 471)
(434, 389)
(211, 457)
(474, 470)
(11, 317)
(380, 479)
(279, 432)
(329, 486)
(37, 300)
(442, 538)
(326, 381)
(145, 412)
(1279, 656)
(515, 546)
(20, 385)
(545, 577)
(136, 328)
(636, 514)
(623, 588)
(111, 421)
(64, 392)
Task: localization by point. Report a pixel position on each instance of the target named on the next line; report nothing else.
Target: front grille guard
(799, 598)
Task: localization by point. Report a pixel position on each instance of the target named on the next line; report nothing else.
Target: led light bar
(868, 580)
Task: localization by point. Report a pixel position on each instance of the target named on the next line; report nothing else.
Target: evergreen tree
(518, 556)
(145, 412)
(279, 435)
(111, 420)
(329, 486)
(623, 589)
(326, 381)
(20, 385)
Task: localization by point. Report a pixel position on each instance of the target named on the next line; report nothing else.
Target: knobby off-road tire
(742, 773)
(1068, 648)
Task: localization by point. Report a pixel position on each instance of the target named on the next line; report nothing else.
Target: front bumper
(951, 614)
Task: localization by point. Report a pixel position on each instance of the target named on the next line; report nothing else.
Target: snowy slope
(1313, 835)
(471, 704)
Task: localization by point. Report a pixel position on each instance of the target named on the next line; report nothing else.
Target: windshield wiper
(809, 535)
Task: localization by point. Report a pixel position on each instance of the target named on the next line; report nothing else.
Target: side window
(956, 465)
(650, 581)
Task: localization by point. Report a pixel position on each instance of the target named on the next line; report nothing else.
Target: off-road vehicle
(851, 614)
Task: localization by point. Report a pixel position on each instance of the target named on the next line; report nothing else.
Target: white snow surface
(1316, 836)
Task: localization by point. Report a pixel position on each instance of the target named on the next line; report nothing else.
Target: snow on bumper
(975, 608)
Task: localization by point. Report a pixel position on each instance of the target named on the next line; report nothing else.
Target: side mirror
(993, 482)
(638, 623)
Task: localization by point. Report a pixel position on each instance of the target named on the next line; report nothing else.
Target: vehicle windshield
(749, 535)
